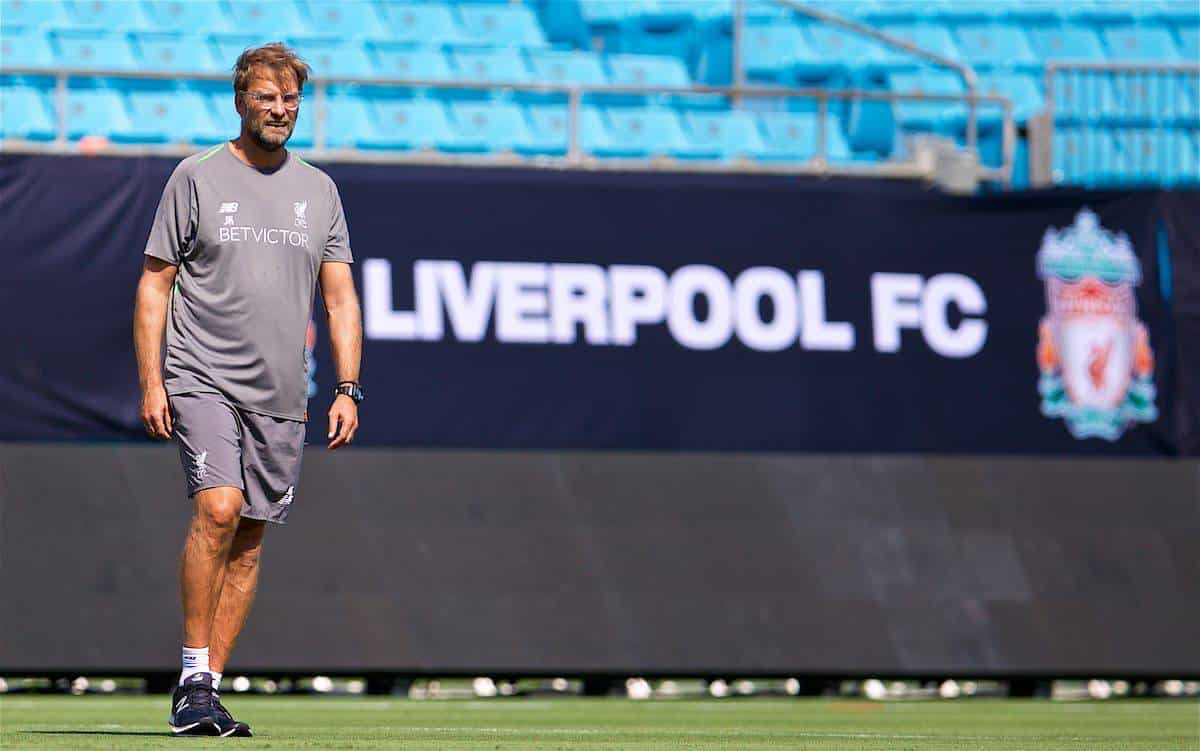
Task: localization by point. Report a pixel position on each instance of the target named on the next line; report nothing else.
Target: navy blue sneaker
(229, 726)
(194, 707)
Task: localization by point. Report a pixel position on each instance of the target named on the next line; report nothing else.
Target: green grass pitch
(575, 724)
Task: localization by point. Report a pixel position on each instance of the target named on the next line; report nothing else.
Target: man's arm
(345, 339)
(149, 323)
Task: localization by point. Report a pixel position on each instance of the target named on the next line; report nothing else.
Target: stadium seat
(931, 37)
(500, 25)
(25, 48)
(918, 115)
(550, 126)
(170, 116)
(332, 57)
(604, 20)
(403, 60)
(564, 67)
(654, 131)
(668, 29)
(277, 19)
(107, 15)
(1086, 156)
(175, 52)
(497, 127)
(792, 136)
(222, 108)
(1183, 158)
(490, 66)
(187, 16)
(1073, 43)
(1151, 156)
(92, 50)
(25, 113)
(346, 120)
(1034, 13)
(731, 134)
(1081, 96)
(228, 46)
(644, 70)
(1164, 96)
(995, 46)
(416, 125)
(420, 23)
(1140, 43)
(33, 14)
(1189, 41)
(1021, 88)
(771, 52)
(871, 128)
(852, 52)
(96, 112)
(344, 20)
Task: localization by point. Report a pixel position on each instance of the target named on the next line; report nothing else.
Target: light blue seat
(1072, 43)
(854, 52)
(1154, 97)
(411, 125)
(1150, 155)
(731, 134)
(771, 52)
(1140, 44)
(223, 109)
(107, 15)
(1081, 96)
(96, 112)
(175, 52)
(1189, 41)
(92, 50)
(955, 12)
(277, 19)
(1087, 156)
(330, 57)
(918, 115)
(563, 24)
(353, 20)
(420, 23)
(643, 70)
(995, 46)
(898, 12)
(655, 131)
(403, 60)
(488, 66)
(550, 128)
(227, 47)
(497, 127)
(25, 48)
(25, 113)
(1031, 13)
(792, 136)
(346, 120)
(170, 117)
(186, 16)
(1183, 158)
(33, 14)
(564, 67)
(671, 29)
(500, 25)
(928, 36)
(1022, 88)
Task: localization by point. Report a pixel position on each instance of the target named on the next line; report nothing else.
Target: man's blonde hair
(276, 57)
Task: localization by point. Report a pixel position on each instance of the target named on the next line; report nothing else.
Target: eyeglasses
(291, 102)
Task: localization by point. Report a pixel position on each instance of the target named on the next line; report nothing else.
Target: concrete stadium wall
(463, 562)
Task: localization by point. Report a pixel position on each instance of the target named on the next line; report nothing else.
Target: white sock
(216, 679)
(195, 660)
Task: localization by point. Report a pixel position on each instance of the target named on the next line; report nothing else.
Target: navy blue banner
(528, 309)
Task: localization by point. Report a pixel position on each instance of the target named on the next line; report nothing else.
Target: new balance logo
(289, 496)
(228, 207)
(200, 466)
(181, 705)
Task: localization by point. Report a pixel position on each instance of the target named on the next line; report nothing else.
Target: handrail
(1043, 152)
(967, 72)
(573, 92)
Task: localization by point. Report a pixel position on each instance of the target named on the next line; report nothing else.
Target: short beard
(259, 136)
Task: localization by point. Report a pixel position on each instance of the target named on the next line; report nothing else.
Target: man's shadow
(93, 732)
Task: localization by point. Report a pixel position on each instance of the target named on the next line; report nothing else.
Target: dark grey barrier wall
(448, 562)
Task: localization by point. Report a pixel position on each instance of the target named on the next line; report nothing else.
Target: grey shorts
(221, 445)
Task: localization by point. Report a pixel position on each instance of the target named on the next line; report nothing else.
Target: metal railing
(966, 72)
(575, 155)
(1139, 104)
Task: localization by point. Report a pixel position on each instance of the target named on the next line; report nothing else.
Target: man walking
(243, 234)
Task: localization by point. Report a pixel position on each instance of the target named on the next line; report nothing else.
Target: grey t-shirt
(248, 245)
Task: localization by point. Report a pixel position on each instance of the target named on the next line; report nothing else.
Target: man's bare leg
(237, 594)
(205, 556)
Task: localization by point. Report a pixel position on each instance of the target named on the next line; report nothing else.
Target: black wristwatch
(350, 389)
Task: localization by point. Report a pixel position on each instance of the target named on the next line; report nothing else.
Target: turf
(568, 724)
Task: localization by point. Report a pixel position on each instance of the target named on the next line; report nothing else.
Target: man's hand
(156, 413)
(343, 421)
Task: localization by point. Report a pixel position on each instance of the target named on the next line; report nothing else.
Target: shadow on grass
(92, 732)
